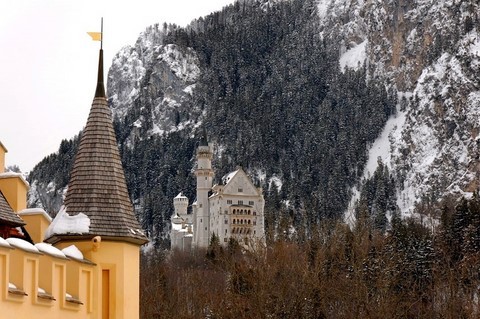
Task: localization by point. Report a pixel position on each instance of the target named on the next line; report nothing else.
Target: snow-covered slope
(428, 51)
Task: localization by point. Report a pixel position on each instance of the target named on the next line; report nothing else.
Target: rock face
(160, 79)
(428, 51)
(424, 53)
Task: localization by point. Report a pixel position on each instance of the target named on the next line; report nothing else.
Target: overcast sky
(48, 63)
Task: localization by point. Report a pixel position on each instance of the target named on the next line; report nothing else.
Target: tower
(180, 204)
(97, 193)
(204, 174)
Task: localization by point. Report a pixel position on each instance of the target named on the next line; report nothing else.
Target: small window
(226, 231)
(229, 201)
(225, 239)
(254, 213)
(226, 221)
(251, 203)
(201, 220)
(205, 228)
(240, 202)
(240, 190)
(200, 205)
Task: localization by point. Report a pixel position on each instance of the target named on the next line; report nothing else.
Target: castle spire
(100, 91)
(97, 186)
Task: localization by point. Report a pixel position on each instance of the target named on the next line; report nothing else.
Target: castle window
(234, 211)
(240, 190)
(229, 201)
(226, 221)
(254, 213)
(240, 202)
(225, 239)
(251, 203)
(201, 220)
(226, 231)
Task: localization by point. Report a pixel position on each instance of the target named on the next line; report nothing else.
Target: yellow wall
(3, 150)
(15, 189)
(120, 261)
(37, 223)
(29, 271)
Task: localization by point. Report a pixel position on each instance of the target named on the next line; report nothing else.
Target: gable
(240, 184)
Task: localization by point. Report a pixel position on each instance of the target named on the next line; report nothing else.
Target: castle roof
(97, 186)
(7, 215)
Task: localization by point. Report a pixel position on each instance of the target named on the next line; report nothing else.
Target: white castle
(232, 210)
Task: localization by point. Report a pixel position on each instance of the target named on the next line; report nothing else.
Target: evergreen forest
(274, 102)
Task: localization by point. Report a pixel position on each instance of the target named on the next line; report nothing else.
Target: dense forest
(407, 272)
(274, 101)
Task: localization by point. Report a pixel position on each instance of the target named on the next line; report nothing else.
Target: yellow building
(85, 262)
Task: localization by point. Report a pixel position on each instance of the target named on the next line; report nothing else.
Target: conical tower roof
(97, 186)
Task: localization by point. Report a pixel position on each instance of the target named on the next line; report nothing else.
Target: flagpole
(101, 34)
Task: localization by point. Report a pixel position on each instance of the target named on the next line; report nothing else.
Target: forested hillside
(281, 91)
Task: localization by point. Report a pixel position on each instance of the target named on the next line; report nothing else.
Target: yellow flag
(96, 36)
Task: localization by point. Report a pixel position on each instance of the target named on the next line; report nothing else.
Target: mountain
(335, 107)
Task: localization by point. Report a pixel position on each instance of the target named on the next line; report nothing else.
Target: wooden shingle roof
(7, 215)
(97, 184)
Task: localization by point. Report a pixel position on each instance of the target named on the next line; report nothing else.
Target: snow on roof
(176, 227)
(50, 250)
(65, 224)
(73, 252)
(228, 177)
(4, 243)
(35, 211)
(180, 195)
(13, 174)
(22, 244)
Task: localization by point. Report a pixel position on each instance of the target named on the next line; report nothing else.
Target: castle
(85, 262)
(233, 210)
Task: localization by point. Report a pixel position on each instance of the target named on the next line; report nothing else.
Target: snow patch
(65, 224)
(22, 244)
(354, 57)
(4, 243)
(73, 252)
(50, 250)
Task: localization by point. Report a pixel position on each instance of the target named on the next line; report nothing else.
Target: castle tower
(204, 173)
(180, 204)
(112, 237)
